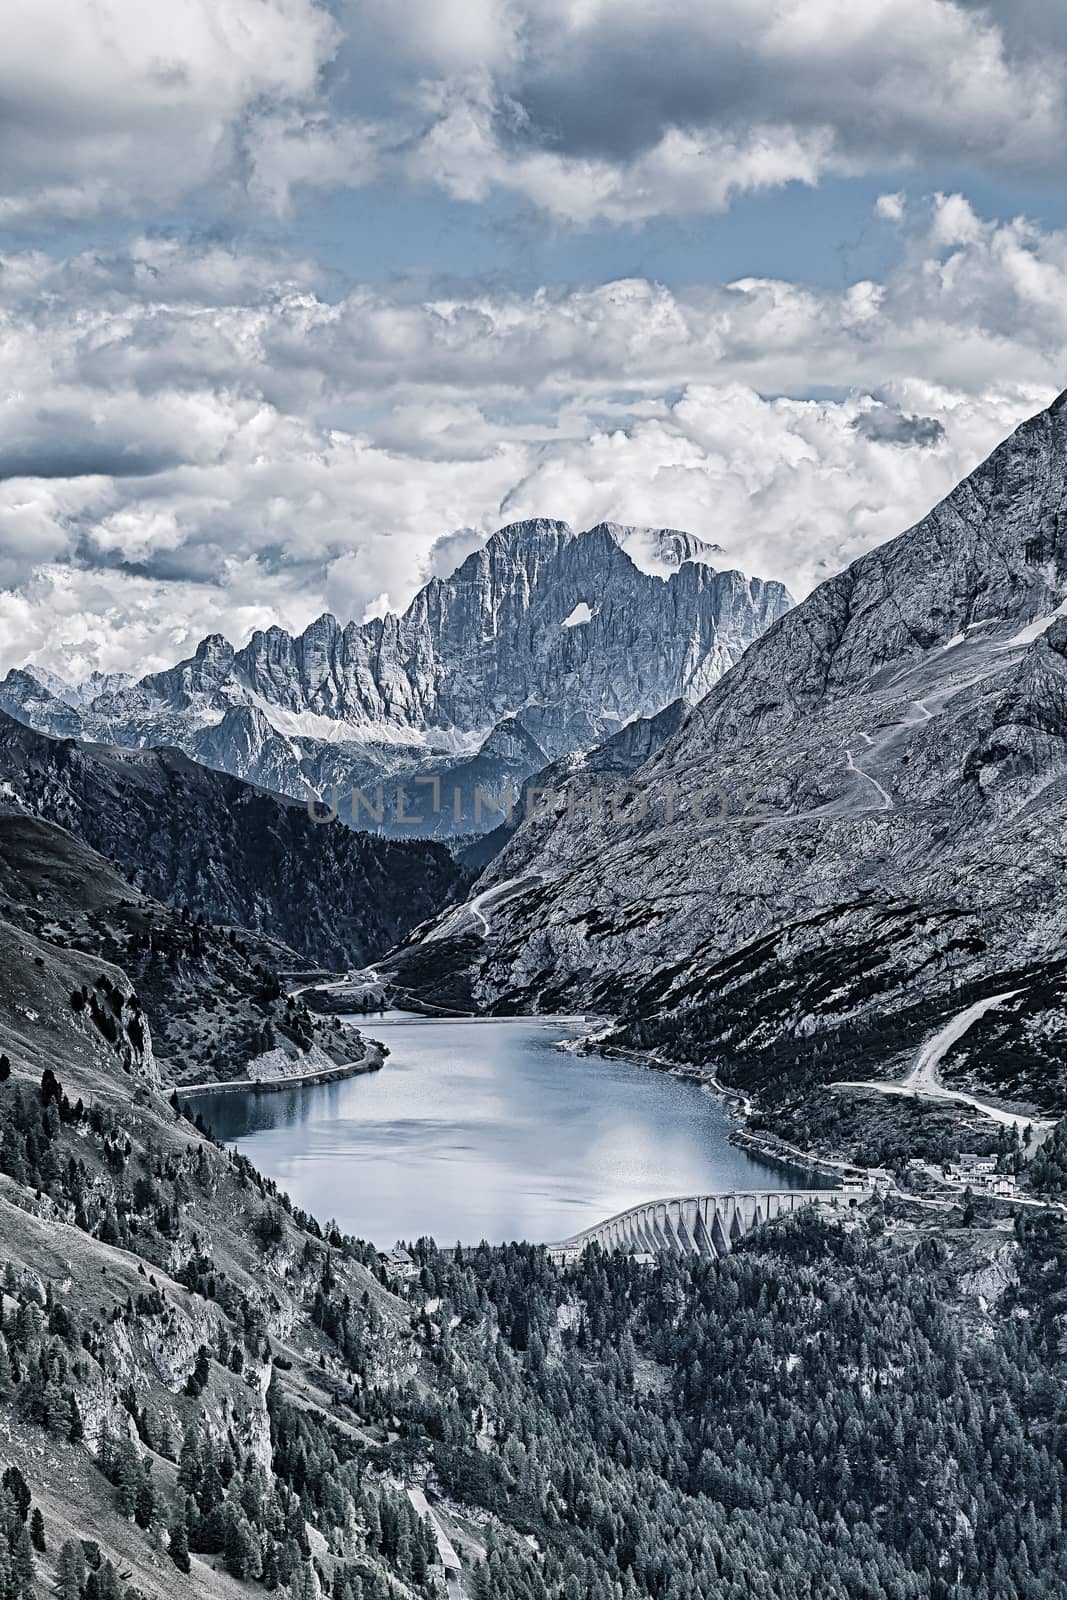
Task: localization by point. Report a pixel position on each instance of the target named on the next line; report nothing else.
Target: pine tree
(178, 1547)
(306, 1584)
(22, 1566)
(145, 1503)
(18, 1489)
(70, 1571)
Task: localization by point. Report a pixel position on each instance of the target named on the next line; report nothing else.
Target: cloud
(450, 551)
(102, 106)
(621, 111)
(886, 425)
(199, 439)
(583, 110)
(609, 79)
(700, 169)
(891, 207)
(789, 488)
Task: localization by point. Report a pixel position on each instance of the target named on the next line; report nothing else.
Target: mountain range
(541, 644)
(857, 831)
(790, 879)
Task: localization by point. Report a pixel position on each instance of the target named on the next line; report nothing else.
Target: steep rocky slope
(544, 642)
(574, 779)
(198, 838)
(858, 829)
(212, 996)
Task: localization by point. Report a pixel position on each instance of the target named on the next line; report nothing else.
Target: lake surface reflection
(483, 1129)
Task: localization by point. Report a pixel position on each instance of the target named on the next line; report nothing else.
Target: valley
(901, 738)
(338, 1256)
(485, 1130)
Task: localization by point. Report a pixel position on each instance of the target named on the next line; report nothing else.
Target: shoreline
(785, 1155)
(766, 1147)
(415, 1018)
(348, 1069)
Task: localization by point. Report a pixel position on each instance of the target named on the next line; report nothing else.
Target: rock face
(543, 643)
(858, 828)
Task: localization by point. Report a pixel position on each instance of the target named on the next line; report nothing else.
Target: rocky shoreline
(373, 1061)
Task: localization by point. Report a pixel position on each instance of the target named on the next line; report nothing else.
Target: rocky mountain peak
(23, 695)
(992, 554)
(557, 638)
(215, 648)
(531, 534)
(858, 827)
(324, 627)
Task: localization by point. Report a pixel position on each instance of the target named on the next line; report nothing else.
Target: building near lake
(974, 1165)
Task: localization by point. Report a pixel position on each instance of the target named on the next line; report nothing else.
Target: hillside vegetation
(205, 1392)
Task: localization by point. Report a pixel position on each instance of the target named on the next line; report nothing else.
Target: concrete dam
(703, 1224)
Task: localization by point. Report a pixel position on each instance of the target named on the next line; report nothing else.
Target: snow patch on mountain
(580, 614)
(1034, 630)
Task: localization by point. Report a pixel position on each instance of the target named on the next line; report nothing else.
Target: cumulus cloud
(618, 110)
(103, 104)
(891, 207)
(468, 149)
(788, 488)
(584, 109)
(197, 439)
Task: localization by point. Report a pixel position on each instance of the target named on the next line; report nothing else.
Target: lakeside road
(296, 1080)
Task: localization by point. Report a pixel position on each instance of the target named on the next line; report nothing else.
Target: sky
(301, 301)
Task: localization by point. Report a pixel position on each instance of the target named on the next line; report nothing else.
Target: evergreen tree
(178, 1547)
(70, 1571)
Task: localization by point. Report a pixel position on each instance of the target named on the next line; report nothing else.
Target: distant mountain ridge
(192, 837)
(542, 643)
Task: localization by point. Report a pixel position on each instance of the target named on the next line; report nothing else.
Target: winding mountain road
(883, 794)
(922, 1081)
(476, 910)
